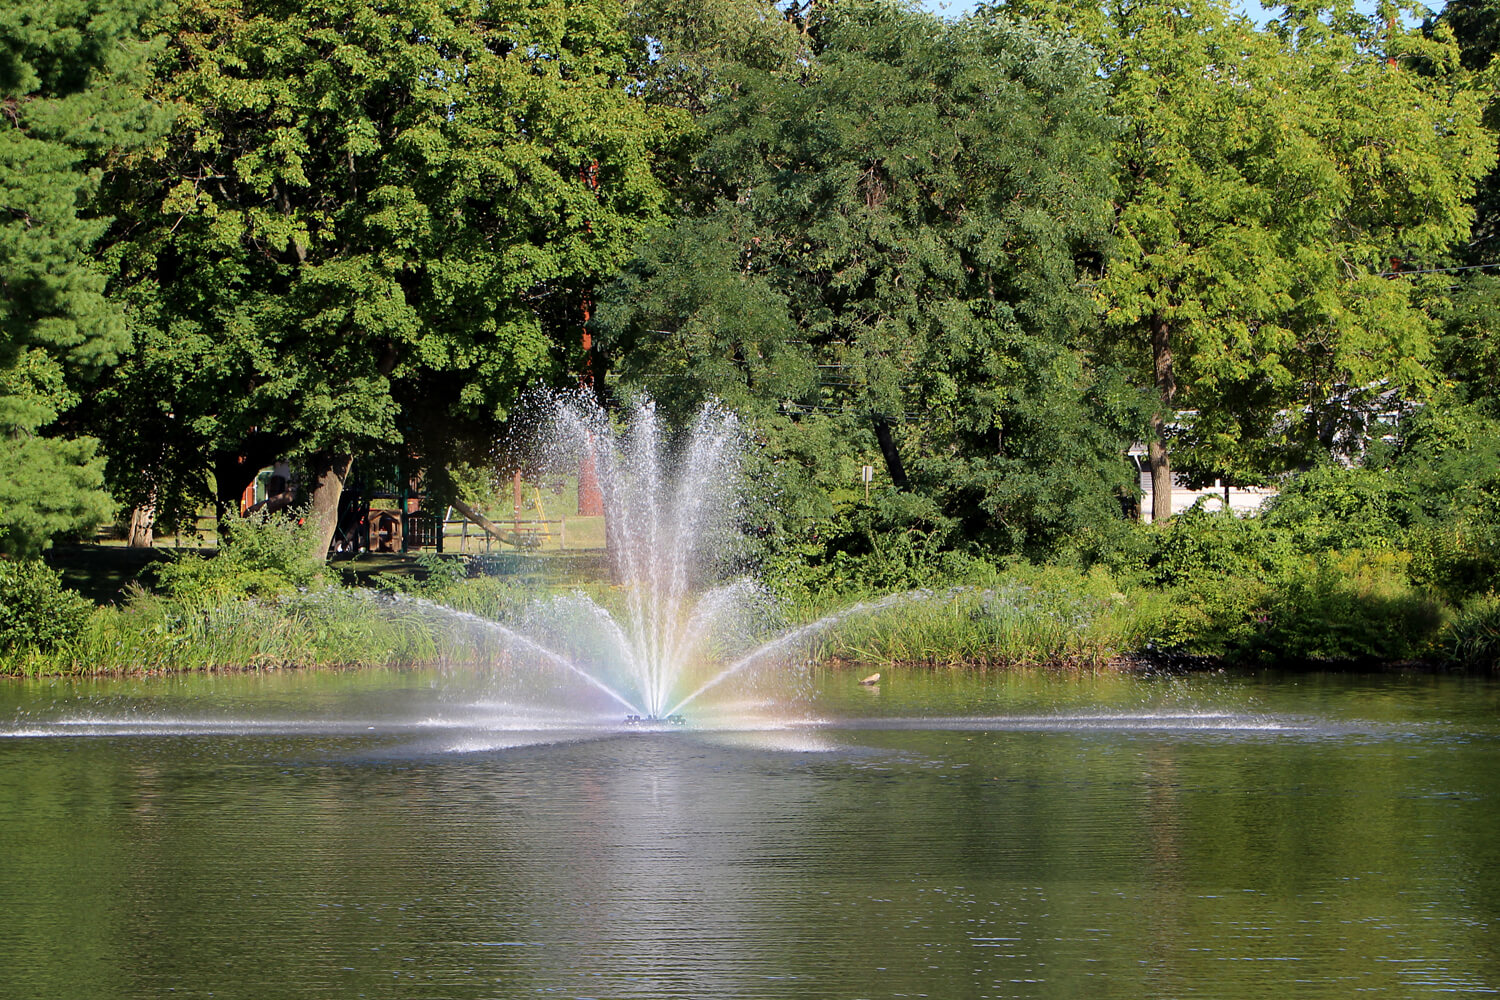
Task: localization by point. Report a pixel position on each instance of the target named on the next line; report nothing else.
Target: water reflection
(987, 853)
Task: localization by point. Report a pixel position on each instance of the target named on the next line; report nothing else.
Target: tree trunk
(590, 495)
(1161, 473)
(142, 523)
(892, 456)
(329, 471)
(1166, 387)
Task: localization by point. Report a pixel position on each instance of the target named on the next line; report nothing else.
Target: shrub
(1335, 606)
(442, 571)
(896, 541)
(1459, 557)
(438, 573)
(1332, 507)
(1202, 545)
(1450, 461)
(1351, 606)
(499, 598)
(1221, 617)
(36, 612)
(1472, 638)
(264, 556)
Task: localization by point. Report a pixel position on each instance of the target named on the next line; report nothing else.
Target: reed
(1022, 616)
(1025, 617)
(321, 628)
(1472, 638)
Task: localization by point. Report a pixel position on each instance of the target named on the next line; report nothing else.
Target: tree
(1475, 25)
(70, 76)
(1271, 181)
(373, 226)
(693, 53)
(1471, 309)
(889, 262)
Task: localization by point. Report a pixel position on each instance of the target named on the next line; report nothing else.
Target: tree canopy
(370, 229)
(984, 254)
(1271, 183)
(892, 263)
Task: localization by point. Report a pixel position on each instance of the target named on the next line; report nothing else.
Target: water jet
(683, 624)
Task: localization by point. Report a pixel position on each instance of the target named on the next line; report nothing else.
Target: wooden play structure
(381, 511)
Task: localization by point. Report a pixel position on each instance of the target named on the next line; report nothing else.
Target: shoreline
(1146, 664)
(1030, 617)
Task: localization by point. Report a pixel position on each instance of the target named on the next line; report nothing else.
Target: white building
(1241, 499)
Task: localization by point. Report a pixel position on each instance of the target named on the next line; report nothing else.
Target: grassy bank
(1028, 616)
(1212, 588)
(1354, 611)
(1045, 617)
(328, 628)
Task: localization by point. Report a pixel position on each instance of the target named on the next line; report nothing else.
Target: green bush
(1472, 638)
(1218, 617)
(442, 571)
(264, 556)
(1460, 556)
(1449, 460)
(1353, 606)
(896, 541)
(35, 611)
(500, 598)
(439, 572)
(1202, 546)
(1332, 507)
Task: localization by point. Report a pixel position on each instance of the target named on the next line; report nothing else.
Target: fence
(529, 534)
(451, 534)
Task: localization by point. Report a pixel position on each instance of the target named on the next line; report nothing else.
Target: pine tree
(70, 95)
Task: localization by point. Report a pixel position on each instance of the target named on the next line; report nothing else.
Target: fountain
(683, 634)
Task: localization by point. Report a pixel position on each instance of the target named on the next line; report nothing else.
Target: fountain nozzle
(655, 720)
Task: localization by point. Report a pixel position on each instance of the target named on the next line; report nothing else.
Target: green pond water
(946, 835)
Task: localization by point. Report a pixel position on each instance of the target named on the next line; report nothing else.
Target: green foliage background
(984, 255)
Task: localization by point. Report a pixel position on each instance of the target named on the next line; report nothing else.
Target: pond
(948, 835)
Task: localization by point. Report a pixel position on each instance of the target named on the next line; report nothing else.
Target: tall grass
(1025, 617)
(1340, 609)
(1472, 639)
(323, 628)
